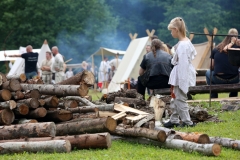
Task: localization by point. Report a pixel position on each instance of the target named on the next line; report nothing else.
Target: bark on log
(12, 85)
(5, 95)
(58, 90)
(84, 141)
(141, 132)
(31, 102)
(68, 104)
(32, 94)
(205, 89)
(51, 102)
(132, 102)
(37, 113)
(132, 93)
(18, 95)
(88, 126)
(82, 110)
(85, 77)
(59, 115)
(83, 100)
(186, 146)
(8, 104)
(24, 120)
(6, 116)
(21, 77)
(47, 129)
(226, 142)
(194, 137)
(53, 146)
(21, 109)
(102, 107)
(198, 113)
(4, 78)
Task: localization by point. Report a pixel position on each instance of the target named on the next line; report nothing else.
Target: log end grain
(34, 103)
(12, 104)
(71, 104)
(54, 101)
(111, 124)
(35, 93)
(23, 109)
(108, 140)
(23, 77)
(51, 127)
(5, 95)
(216, 149)
(88, 78)
(41, 102)
(203, 139)
(6, 116)
(67, 146)
(162, 136)
(15, 85)
(64, 115)
(41, 112)
(83, 90)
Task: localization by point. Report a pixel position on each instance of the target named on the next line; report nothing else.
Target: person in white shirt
(58, 65)
(103, 72)
(69, 73)
(114, 63)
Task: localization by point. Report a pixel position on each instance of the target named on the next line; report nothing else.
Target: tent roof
(108, 52)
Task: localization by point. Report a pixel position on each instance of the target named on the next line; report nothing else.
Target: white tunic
(183, 73)
(103, 71)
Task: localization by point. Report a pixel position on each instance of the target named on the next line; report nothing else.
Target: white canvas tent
(130, 64)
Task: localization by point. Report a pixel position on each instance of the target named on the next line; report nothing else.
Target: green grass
(125, 150)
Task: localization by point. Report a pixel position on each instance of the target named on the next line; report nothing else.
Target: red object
(172, 94)
(100, 84)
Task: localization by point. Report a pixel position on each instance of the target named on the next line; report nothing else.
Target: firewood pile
(57, 118)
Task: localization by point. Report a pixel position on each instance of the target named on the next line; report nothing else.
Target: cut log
(102, 107)
(166, 130)
(32, 94)
(83, 100)
(24, 120)
(141, 132)
(6, 116)
(198, 113)
(47, 129)
(53, 146)
(132, 93)
(120, 108)
(85, 77)
(194, 137)
(119, 115)
(4, 78)
(144, 120)
(21, 77)
(31, 102)
(205, 89)
(18, 95)
(21, 109)
(37, 113)
(130, 101)
(84, 141)
(226, 142)
(41, 102)
(58, 90)
(186, 146)
(159, 107)
(51, 102)
(5, 95)
(8, 104)
(12, 85)
(82, 110)
(59, 115)
(89, 126)
(68, 104)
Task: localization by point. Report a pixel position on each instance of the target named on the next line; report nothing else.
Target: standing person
(31, 60)
(114, 63)
(103, 72)
(58, 65)
(46, 68)
(222, 71)
(148, 48)
(69, 73)
(157, 64)
(182, 76)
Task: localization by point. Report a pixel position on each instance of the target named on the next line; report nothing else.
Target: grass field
(124, 150)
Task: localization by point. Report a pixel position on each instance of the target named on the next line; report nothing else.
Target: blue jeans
(217, 80)
(30, 75)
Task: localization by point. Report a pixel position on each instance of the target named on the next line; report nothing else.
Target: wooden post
(150, 34)
(133, 36)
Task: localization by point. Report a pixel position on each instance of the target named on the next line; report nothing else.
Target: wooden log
(20, 77)
(68, 104)
(37, 113)
(41, 102)
(87, 126)
(12, 85)
(17, 95)
(31, 102)
(159, 107)
(102, 107)
(32, 94)
(51, 102)
(186, 146)
(141, 132)
(21, 109)
(130, 101)
(226, 142)
(59, 115)
(5, 95)
(205, 89)
(24, 120)
(198, 113)
(194, 137)
(144, 120)
(8, 104)
(53, 146)
(47, 129)
(83, 100)
(6, 116)
(4, 78)
(83, 141)
(82, 110)
(86, 77)
(58, 90)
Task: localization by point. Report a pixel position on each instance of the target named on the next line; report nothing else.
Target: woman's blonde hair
(166, 49)
(156, 44)
(179, 24)
(232, 32)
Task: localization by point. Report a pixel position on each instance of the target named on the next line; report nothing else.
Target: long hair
(156, 44)
(179, 24)
(232, 32)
